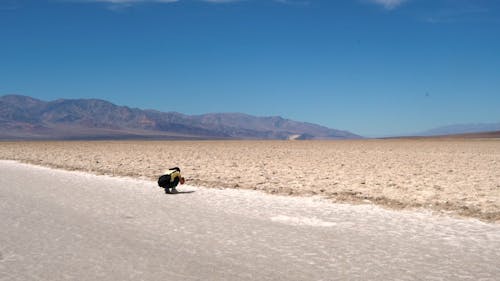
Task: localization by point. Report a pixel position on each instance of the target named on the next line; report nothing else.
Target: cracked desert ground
(459, 177)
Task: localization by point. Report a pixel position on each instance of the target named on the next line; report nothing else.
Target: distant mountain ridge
(461, 129)
(23, 117)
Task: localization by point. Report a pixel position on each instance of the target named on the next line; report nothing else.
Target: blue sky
(373, 67)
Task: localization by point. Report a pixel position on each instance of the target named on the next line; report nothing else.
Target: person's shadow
(183, 192)
(179, 192)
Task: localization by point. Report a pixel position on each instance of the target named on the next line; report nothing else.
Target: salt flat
(60, 225)
(459, 176)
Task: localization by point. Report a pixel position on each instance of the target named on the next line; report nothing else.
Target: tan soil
(457, 176)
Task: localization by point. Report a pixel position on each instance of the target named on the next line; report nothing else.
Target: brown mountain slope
(24, 117)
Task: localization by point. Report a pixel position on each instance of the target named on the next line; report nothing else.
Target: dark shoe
(173, 191)
(167, 191)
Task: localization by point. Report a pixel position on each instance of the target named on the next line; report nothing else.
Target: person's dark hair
(175, 168)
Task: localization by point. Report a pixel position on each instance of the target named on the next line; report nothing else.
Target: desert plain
(457, 177)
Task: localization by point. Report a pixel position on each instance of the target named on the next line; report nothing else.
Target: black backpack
(164, 180)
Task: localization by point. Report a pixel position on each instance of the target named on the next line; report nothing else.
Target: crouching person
(171, 179)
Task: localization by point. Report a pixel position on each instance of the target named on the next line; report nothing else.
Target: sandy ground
(458, 177)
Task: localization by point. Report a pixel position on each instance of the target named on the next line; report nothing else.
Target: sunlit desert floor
(452, 176)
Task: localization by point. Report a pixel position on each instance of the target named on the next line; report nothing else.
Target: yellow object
(173, 174)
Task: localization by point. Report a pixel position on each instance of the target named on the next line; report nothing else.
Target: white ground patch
(59, 225)
(302, 221)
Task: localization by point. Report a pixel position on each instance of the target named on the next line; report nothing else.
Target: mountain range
(23, 117)
(461, 129)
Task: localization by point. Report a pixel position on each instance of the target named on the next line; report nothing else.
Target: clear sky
(373, 67)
